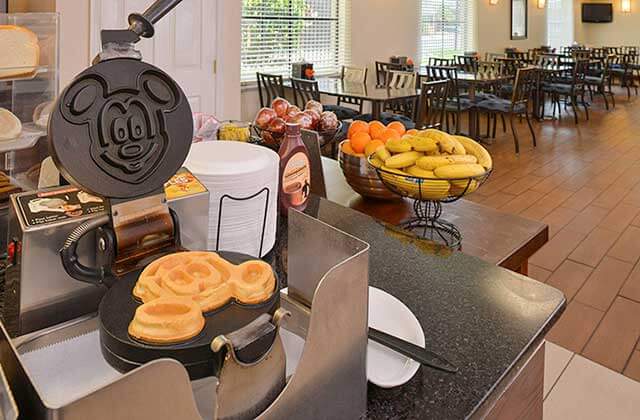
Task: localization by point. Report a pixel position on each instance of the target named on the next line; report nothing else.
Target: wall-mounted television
(597, 12)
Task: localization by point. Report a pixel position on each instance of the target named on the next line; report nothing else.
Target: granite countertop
(482, 318)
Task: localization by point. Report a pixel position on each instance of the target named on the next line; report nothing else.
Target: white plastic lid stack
(243, 179)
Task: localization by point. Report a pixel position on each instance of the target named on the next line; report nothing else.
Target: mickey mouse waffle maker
(120, 130)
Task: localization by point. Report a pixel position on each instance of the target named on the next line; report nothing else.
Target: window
(559, 23)
(276, 33)
(446, 28)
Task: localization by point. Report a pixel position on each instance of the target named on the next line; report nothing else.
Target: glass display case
(28, 87)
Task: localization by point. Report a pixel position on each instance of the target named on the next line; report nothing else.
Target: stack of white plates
(242, 180)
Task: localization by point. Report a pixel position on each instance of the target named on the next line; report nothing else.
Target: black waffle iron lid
(121, 129)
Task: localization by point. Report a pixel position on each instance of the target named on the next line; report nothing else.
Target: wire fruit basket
(428, 195)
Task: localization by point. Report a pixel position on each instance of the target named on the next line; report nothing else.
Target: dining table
(370, 92)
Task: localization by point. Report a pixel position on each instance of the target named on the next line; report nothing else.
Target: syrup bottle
(295, 171)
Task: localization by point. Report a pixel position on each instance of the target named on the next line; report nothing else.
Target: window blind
(559, 23)
(446, 28)
(276, 33)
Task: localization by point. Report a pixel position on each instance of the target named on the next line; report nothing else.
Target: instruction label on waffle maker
(46, 207)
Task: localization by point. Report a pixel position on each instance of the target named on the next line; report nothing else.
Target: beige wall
(74, 38)
(493, 29)
(624, 29)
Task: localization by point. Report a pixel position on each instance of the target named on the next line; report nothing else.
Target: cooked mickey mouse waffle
(208, 279)
(167, 320)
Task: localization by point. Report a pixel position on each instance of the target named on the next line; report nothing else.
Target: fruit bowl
(272, 139)
(431, 167)
(363, 177)
(443, 190)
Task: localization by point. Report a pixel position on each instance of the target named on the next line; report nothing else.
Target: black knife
(417, 353)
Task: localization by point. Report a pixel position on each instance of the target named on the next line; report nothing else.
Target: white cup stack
(242, 180)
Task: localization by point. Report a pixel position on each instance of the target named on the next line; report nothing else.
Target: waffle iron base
(124, 353)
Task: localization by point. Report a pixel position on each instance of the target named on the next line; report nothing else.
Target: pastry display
(21, 52)
(10, 125)
(41, 114)
(167, 320)
(206, 278)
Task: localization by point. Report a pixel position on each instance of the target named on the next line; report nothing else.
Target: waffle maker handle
(69, 255)
(142, 24)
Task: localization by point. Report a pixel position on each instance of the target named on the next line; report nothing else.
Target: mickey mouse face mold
(208, 279)
(121, 129)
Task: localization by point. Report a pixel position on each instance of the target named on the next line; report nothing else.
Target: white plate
(385, 367)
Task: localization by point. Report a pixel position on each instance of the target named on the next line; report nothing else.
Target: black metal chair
(270, 86)
(441, 62)
(467, 63)
(599, 78)
(622, 67)
(518, 105)
(431, 105)
(304, 91)
(456, 103)
(382, 70)
(570, 90)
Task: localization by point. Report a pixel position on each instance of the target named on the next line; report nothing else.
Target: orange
(412, 132)
(372, 147)
(358, 127)
(359, 141)
(346, 148)
(398, 126)
(375, 129)
(388, 134)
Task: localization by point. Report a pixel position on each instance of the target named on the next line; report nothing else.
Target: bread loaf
(10, 126)
(20, 51)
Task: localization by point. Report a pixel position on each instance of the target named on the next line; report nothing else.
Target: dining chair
(382, 69)
(431, 105)
(401, 79)
(622, 67)
(440, 62)
(304, 91)
(270, 86)
(599, 78)
(493, 56)
(581, 54)
(519, 55)
(517, 105)
(572, 89)
(456, 103)
(354, 74)
(468, 64)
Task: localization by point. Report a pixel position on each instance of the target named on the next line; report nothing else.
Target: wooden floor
(584, 182)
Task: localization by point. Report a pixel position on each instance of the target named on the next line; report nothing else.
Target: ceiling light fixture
(542, 3)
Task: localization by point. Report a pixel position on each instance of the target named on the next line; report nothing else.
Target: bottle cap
(292, 129)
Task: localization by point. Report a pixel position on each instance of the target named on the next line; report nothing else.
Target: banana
(393, 171)
(419, 172)
(459, 171)
(418, 188)
(383, 154)
(423, 144)
(444, 140)
(458, 148)
(376, 163)
(430, 163)
(402, 160)
(398, 145)
(475, 149)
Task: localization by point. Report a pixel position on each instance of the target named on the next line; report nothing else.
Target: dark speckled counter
(481, 317)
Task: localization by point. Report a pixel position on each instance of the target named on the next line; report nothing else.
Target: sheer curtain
(560, 23)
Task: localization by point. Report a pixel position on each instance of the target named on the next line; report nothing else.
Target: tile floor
(584, 182)
(577, 388)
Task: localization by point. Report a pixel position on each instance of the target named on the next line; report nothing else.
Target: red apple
(315, 106)
(277, 125)
(291, 111)
(328, 121)
(315, 117)
(280, 105)
(303, 119)
(264, 117)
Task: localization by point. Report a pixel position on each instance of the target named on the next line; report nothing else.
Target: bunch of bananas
(431, 164)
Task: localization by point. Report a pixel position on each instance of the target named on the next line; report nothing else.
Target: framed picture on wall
(519, 19)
